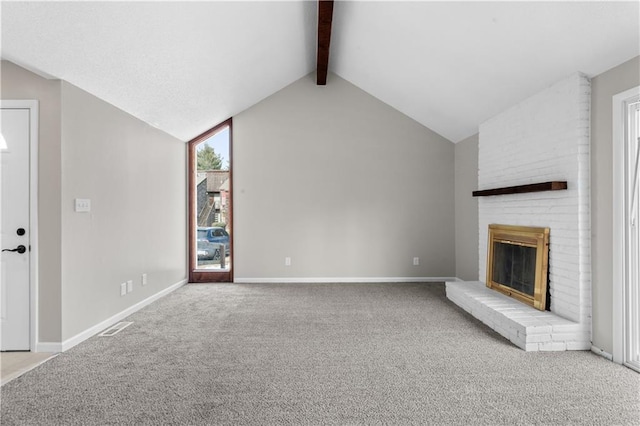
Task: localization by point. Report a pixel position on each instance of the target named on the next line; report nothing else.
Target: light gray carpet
(300, 354)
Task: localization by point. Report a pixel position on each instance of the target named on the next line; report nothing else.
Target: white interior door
(15, 312)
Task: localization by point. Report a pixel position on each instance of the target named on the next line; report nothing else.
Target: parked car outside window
(215, 234)
(207, 250)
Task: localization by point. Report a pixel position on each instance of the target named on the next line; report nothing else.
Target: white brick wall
(544, 138)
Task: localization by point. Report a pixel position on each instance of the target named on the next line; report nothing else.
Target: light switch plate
(83, 205)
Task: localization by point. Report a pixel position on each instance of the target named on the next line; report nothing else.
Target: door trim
(33, 107)
(619, 222)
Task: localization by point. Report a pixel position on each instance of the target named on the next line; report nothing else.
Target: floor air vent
(112, 331)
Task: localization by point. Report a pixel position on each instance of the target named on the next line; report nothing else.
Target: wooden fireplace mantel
(521, 189)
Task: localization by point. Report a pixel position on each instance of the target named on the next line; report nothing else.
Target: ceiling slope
(187, 66)
(453, 65)
(180, 66)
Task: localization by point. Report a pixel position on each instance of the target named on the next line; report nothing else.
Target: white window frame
(620, 326)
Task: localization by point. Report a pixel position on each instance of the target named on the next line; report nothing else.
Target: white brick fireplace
(544, 138)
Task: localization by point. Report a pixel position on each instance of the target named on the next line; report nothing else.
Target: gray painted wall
(603, 88)
(466, 226)
(135, 176)
(342, 183)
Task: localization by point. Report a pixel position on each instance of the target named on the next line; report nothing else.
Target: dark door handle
(20, 249)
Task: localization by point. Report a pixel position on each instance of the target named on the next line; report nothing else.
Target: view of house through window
(213, 202)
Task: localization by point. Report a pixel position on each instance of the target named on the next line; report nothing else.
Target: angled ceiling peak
(449, 65)
(325, 16)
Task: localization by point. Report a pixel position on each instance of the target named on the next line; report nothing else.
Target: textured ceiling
(184, 67)
(180, 66)
(453, 65)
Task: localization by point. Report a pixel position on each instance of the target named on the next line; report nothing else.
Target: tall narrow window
(210, 206)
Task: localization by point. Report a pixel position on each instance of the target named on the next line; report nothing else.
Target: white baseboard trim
(323, 280)
(596, 350)
(91, 331)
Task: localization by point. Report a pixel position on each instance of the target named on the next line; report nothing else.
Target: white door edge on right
(625, 308)
(631, 294)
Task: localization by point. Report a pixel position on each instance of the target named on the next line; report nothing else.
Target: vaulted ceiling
(186, 66)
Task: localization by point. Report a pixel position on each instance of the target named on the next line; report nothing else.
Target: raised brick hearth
(526, 327)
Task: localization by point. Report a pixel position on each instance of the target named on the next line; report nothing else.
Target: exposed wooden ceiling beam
(325, 15)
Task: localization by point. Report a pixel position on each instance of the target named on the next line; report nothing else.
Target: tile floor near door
(15, 364)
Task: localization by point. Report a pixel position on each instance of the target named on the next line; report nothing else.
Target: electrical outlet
(129, 286)
(287, 261)
(123, 289)
(144, 279)
(416, 261)
(83, 205)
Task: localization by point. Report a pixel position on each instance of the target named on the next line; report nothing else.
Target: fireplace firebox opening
(518, 263)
